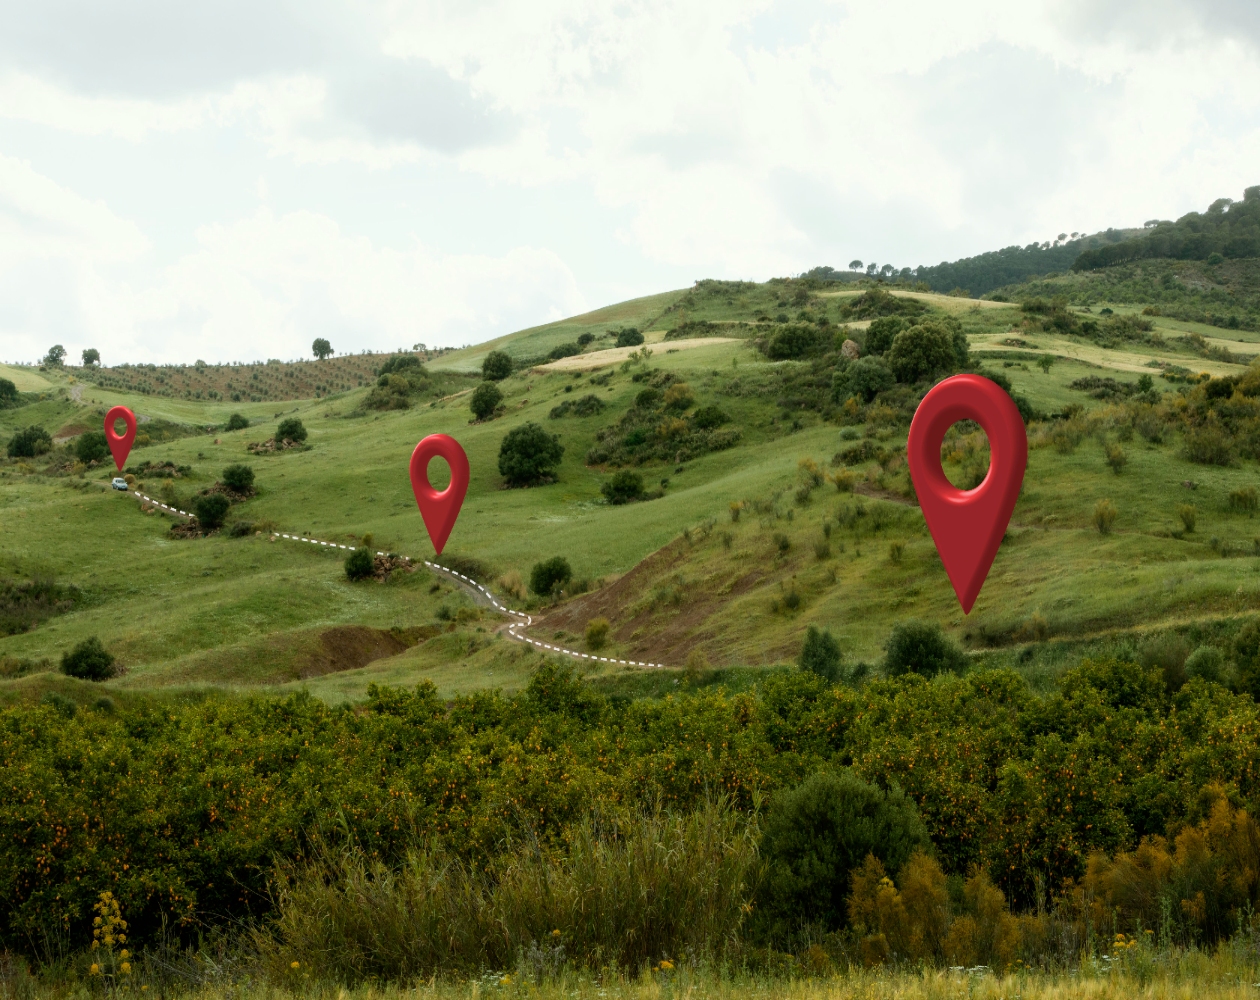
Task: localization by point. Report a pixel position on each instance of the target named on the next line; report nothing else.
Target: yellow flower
(294, 965)
(556, 932)
(95, 970)
(96, 944)
(126, 967)
(124, 953)
(506, 981)
(666, 963)
(96, 922)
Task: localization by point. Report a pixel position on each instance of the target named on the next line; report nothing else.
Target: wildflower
(666, 964)
(96, 944)
(556, 932)
(506, 980)
(95, 970)
(294, 965)
(126, 968)
(124, 954)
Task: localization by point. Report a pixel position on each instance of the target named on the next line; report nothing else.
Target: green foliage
(55, 357)
(923, 352)
(548, 576)
(820, 654)
(817, 834)
(529, 455)
(321, 348)
(588, 406)
(91, 446)
(1227, 229)
(88, 661)
(708, 417)
(877, 302)
(880, 334)
(91, 356)
(795, 340)
(236, 422)
(625, 486)
(916, 647)
(402, 364)
(596, 635)
(568, 350)
(291, 429)
(496, 366)
(30, 442)
(239, 478)
(211, 510)
(26, 603)
(629, 337)
(485, 400)
(359, 564)
(1206, 663)
(864, 379)
(998, 268)
(8, 394)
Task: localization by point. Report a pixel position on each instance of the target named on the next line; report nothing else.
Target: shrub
(91, 447)
(864, 378)
(88, 661)
(1116, 458)
(708, 417)
(563, 351)
(588, 406)
(817, 834)
(1189, 516)
(291, 429)
(1166, 653)
(625, 486)
(497, 366)
(921, 648)
(880, 334)
(585, 338)
(678, 397)
(236, 423)
(407, 364)
(597, 633)
(529, 454)
(211, 510)
(1243, 500)
(359, 564)
(629, 337)
(29, 442)
(239, 478)
(549, 576)
(1207, 663)
(1104, 516)
(8, 394)
(485, 400)
(64, 706)
(820, 654)
(1209, 446)
(922, 352)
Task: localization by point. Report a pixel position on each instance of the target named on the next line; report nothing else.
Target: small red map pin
(439, 510)
(120, 447)
(967, 526)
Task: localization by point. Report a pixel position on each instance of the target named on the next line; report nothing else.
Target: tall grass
(622, 892)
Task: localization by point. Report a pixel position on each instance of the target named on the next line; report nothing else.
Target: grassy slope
(246, 611)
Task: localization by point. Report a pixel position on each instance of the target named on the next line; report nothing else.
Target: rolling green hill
(685, 577)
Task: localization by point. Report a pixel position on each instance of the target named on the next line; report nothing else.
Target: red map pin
(967, 526)
(439, 510)
(120, 447)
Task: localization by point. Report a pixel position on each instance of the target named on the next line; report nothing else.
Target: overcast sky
(230, 180)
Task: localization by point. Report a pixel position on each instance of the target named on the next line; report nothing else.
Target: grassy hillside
(675, 574)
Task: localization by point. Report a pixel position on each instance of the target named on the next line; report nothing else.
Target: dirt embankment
(348, 647)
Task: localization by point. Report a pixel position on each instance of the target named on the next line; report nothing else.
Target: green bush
(1206, 663)
(63, 706)
(1243, 500)
(548, 576)
(563, 351)
(597, 633)
(1209, 446)
(820, 653)
(864, 378)
(402, 364)
(291, 429)
(88, 661)
(211, 510)
(236, 422)
(30, 442)
(528, 455)
(8, 394)
(625, 486)
(497, 366)
(359, 564)
(588, 406)
(922, 353)
(880, 334)
(817, 834)
(921, 648)
(708, 417)
(485, 400)
(91, 446)
(239, 478)
(629, 337)
(1167, 653)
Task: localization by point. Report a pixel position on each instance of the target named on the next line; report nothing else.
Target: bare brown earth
(348, 647)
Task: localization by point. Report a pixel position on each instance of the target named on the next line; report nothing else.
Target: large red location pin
(120, 447)
(439, 510)
(967, 526)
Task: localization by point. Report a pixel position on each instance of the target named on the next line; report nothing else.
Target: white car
(119, 483)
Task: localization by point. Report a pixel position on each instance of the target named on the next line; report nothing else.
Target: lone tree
(497, 366)
(629, 337)
(291, 429)
(91, 447)
(625, 486)
(820, 654)
(8, 393)
(550, 575)
(56, 356)
(91, 357)
(236, 422)
(485, 400)
(239, 478)
(856, 265)
(359, 565)
(321, 348)
(921, 648)
(88, 661)
(529, 455)
(211, 510)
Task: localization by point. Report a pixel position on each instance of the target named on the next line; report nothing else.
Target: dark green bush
(585, 338)
(880, 334)
(529, 455)
(864, 379)
(88, 661)
(239, 478)
(401, 364)
(91, 447)
(497, 366)
(236, 422)
(922, 352)
(65, 707)
(359, 564)
(820, 653)
(563, 351)
(588, 406)
(625, 486)
(30, 442)
(485, 400)
(817, 834)
(708, 417)
(548, 576)
(921, 648)
(291, 429)
(211, 510)
(8, 394)
(629, 337)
